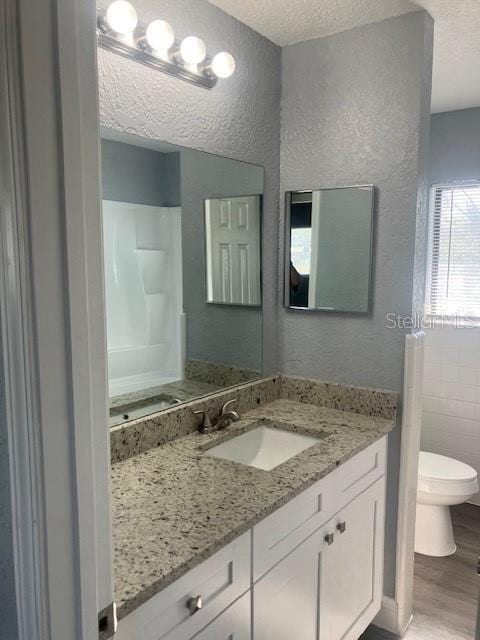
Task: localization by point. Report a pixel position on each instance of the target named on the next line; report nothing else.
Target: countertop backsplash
(156, 430)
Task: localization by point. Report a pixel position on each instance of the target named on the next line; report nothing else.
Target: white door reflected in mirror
(233, 236)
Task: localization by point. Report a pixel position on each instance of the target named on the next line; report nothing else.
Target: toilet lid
(432, 466)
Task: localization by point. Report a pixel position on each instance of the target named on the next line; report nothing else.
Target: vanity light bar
(154, 45)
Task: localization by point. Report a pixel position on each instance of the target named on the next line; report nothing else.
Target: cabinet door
(232, 624)
(285, 600)
(353, 567)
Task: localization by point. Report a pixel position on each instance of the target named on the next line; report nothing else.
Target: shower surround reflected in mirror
(329, 249)
(167, 343)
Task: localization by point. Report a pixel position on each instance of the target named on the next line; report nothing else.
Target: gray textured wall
(239, 118)
(351, 114)
(355, 111)
(8, 620)
(455, 146)
(136, 174)
(217, 333)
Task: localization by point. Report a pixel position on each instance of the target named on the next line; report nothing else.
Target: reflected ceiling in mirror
(329, 247)
(166, 261)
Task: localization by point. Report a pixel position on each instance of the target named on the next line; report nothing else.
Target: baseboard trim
(391, 618)
(387, 617)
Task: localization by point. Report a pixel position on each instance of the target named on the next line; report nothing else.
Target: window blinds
(453, 286)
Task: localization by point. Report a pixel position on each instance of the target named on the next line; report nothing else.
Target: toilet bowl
(442, 482)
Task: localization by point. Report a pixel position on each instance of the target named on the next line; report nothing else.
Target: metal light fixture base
(110, 41)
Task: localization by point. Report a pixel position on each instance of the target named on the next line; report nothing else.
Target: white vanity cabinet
(330, 586)
(232, 624)
(286, 599)
(352, 567)
(213, 585)
(312, 570)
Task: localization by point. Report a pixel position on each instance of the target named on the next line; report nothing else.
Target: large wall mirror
(182, 246)
(329, 244)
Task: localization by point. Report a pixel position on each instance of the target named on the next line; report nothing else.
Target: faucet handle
(206, 423)
(227, 405)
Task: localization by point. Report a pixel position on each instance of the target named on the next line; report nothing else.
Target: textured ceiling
(456, 73)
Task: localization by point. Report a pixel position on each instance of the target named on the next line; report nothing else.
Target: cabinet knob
(329, 538)
(341, 526)
(194, 604)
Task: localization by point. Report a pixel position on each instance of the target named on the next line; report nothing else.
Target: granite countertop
(174, 507)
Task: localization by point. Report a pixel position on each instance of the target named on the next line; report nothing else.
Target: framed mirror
(329, 249)
(182, 230)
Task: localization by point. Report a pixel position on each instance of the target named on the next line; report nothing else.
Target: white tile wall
(451, 395)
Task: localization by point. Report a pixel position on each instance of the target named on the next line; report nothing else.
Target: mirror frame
(287, 247)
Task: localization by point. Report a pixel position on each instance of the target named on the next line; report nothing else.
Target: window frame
(434, 187)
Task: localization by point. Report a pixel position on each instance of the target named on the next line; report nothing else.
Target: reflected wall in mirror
(166, 343)
(233, 232)
(329, 245)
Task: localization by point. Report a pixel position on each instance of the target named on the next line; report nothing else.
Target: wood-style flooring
(446, 590)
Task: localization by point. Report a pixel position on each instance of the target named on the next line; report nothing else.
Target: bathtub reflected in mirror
(167, 343)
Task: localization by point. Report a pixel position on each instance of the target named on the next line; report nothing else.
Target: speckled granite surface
(173, 507)
(370, 402)
(156, 430)
(181, 389)
(141, 404)
(138, 436)
(216, 373)
(202, 378)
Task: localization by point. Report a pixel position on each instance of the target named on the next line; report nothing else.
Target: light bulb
(223, 65)
(122, 17)
(193, 50)
(160, 35)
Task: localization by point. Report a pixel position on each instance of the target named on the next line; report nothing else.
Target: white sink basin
(263, 447)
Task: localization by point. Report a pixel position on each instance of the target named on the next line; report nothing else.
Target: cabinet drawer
(219, 581)
(282, 531)
(359, 473)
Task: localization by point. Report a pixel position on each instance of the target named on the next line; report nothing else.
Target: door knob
(341, 526)
(194, 604)
(329, 538)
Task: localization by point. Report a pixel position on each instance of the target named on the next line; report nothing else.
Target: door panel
(286, 598)
(353, 566)
(232, 624)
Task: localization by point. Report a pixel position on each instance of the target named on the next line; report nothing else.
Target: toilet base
(434, 531)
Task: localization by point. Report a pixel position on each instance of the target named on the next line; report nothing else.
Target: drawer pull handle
(194, 604)
(342, 526)
(329, 538)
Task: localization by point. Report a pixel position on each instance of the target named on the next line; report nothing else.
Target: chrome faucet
(225, 419)
(227, 416)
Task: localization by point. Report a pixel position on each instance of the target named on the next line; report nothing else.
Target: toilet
(442, 482)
